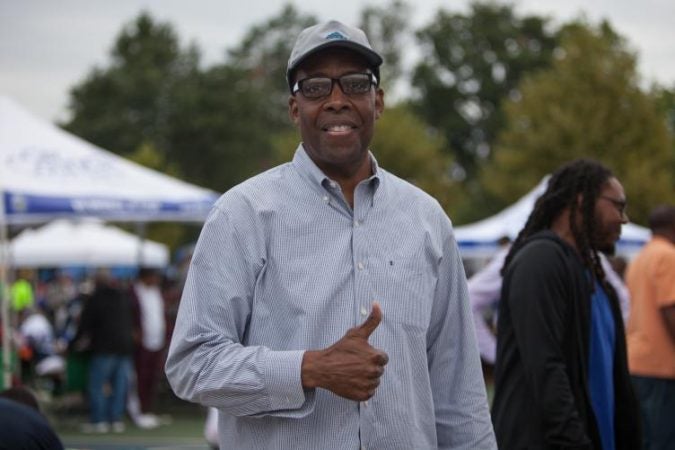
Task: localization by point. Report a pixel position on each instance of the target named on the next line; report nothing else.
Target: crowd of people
(326, 304)
(103, 336)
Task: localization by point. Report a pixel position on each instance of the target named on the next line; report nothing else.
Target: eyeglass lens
(351, 84)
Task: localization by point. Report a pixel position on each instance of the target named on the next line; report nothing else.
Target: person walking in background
(561, 374)
(651, 330)
(326, 303)
(149, 334)
(105, 329)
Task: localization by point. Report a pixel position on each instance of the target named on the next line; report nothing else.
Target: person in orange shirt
(651, 330)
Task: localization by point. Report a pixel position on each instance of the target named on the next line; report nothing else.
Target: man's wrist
(308, 372)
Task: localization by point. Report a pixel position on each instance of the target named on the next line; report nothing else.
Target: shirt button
(357, 223)
(360, 266)
(325, 198)
(364, 311)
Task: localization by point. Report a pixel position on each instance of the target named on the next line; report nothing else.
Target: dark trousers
(657, 405)
(148, 367)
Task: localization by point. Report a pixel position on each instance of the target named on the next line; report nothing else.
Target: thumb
(368, 326)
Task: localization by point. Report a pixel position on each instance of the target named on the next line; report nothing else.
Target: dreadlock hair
(583, 177)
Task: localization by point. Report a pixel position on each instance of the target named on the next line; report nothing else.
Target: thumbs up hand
(350, 368)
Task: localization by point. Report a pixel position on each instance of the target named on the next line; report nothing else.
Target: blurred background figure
(106, 328)
(22, 426)
(149, 346)
(561, 373)
(484, 291)
(59, 295)
(44, 359)
(21, 293)
(651, 330)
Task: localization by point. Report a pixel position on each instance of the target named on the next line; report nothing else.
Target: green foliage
(148, 156)
(588, 104)
(219, 134)
(129, 103)
(469, 64)
(219, 125)
(388, 28)
(404, 145)
(264, 53)
(665, 99)
(214, 125)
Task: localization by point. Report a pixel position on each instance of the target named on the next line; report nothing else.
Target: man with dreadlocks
(561, 376)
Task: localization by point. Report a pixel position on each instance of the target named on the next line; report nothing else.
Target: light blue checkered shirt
(283, 264)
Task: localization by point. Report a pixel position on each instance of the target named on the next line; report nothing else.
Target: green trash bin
(77, 365)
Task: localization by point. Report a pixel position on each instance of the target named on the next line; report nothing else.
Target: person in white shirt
(149, 334)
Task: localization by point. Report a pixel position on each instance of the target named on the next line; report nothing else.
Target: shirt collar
(311, 171)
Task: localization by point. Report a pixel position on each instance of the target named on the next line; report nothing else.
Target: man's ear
(293, 110)
(379, 103)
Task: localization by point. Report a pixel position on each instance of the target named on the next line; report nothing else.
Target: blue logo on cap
(335, 36)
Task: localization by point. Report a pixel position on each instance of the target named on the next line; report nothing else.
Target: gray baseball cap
(331, 34)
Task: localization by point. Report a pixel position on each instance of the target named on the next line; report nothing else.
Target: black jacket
(542, 399)
(107, 322)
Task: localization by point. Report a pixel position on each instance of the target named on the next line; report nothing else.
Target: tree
(469, 64)
(403, 145)
(220, 134)
(129, 103)
(388, 28)
(588, 104)
(264, 53)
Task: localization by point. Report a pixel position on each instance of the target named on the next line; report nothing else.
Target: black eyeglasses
(351, 84)
(620, 205)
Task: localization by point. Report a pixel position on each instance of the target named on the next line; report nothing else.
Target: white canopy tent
(89, 242)
(480, 239)
(47, 173)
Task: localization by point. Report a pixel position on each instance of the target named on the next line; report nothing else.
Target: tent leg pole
(4, 298)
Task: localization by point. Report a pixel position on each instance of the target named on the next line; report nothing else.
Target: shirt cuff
(283, 378)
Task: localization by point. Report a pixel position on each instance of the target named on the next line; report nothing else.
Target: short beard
(607, 249)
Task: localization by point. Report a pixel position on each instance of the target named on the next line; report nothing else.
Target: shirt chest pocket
(405, 289)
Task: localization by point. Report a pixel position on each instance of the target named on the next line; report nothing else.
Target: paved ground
(184, 433)
(182, 429)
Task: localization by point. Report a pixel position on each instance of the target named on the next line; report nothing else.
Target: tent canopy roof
(89, 242)
(46, 172)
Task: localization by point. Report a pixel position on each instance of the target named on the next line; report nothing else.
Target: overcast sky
(47, 46)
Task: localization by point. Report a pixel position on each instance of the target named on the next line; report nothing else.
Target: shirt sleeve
(460, 400)
(208, 361)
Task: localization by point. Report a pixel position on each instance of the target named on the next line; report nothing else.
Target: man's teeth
(339, 128)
